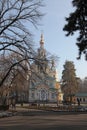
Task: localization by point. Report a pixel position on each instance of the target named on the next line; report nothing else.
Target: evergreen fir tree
(69, 80)
(77, 21)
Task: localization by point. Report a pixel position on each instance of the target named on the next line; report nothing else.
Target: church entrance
(43, 95)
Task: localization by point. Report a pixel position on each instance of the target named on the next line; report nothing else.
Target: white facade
(42, 94)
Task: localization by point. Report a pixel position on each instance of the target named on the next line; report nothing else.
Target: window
(83, 99)
(32, 95)
(53, 95)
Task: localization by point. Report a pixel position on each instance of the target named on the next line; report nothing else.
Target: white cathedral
(43, 89)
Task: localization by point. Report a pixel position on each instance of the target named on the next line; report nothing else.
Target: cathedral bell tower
(42, 41)
(41, 50)
(42, 55)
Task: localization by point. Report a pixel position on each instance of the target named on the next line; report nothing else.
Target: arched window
(83, 99)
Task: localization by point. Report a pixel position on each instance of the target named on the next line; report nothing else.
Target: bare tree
(84, 85)
(16, 19)
(17, 77)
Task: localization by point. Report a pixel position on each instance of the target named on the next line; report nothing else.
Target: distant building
(82, 97)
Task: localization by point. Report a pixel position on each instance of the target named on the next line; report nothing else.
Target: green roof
(81, 94)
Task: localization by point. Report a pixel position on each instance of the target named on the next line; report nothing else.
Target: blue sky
(55, 40)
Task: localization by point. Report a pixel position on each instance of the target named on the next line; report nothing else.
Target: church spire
(42, 40)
